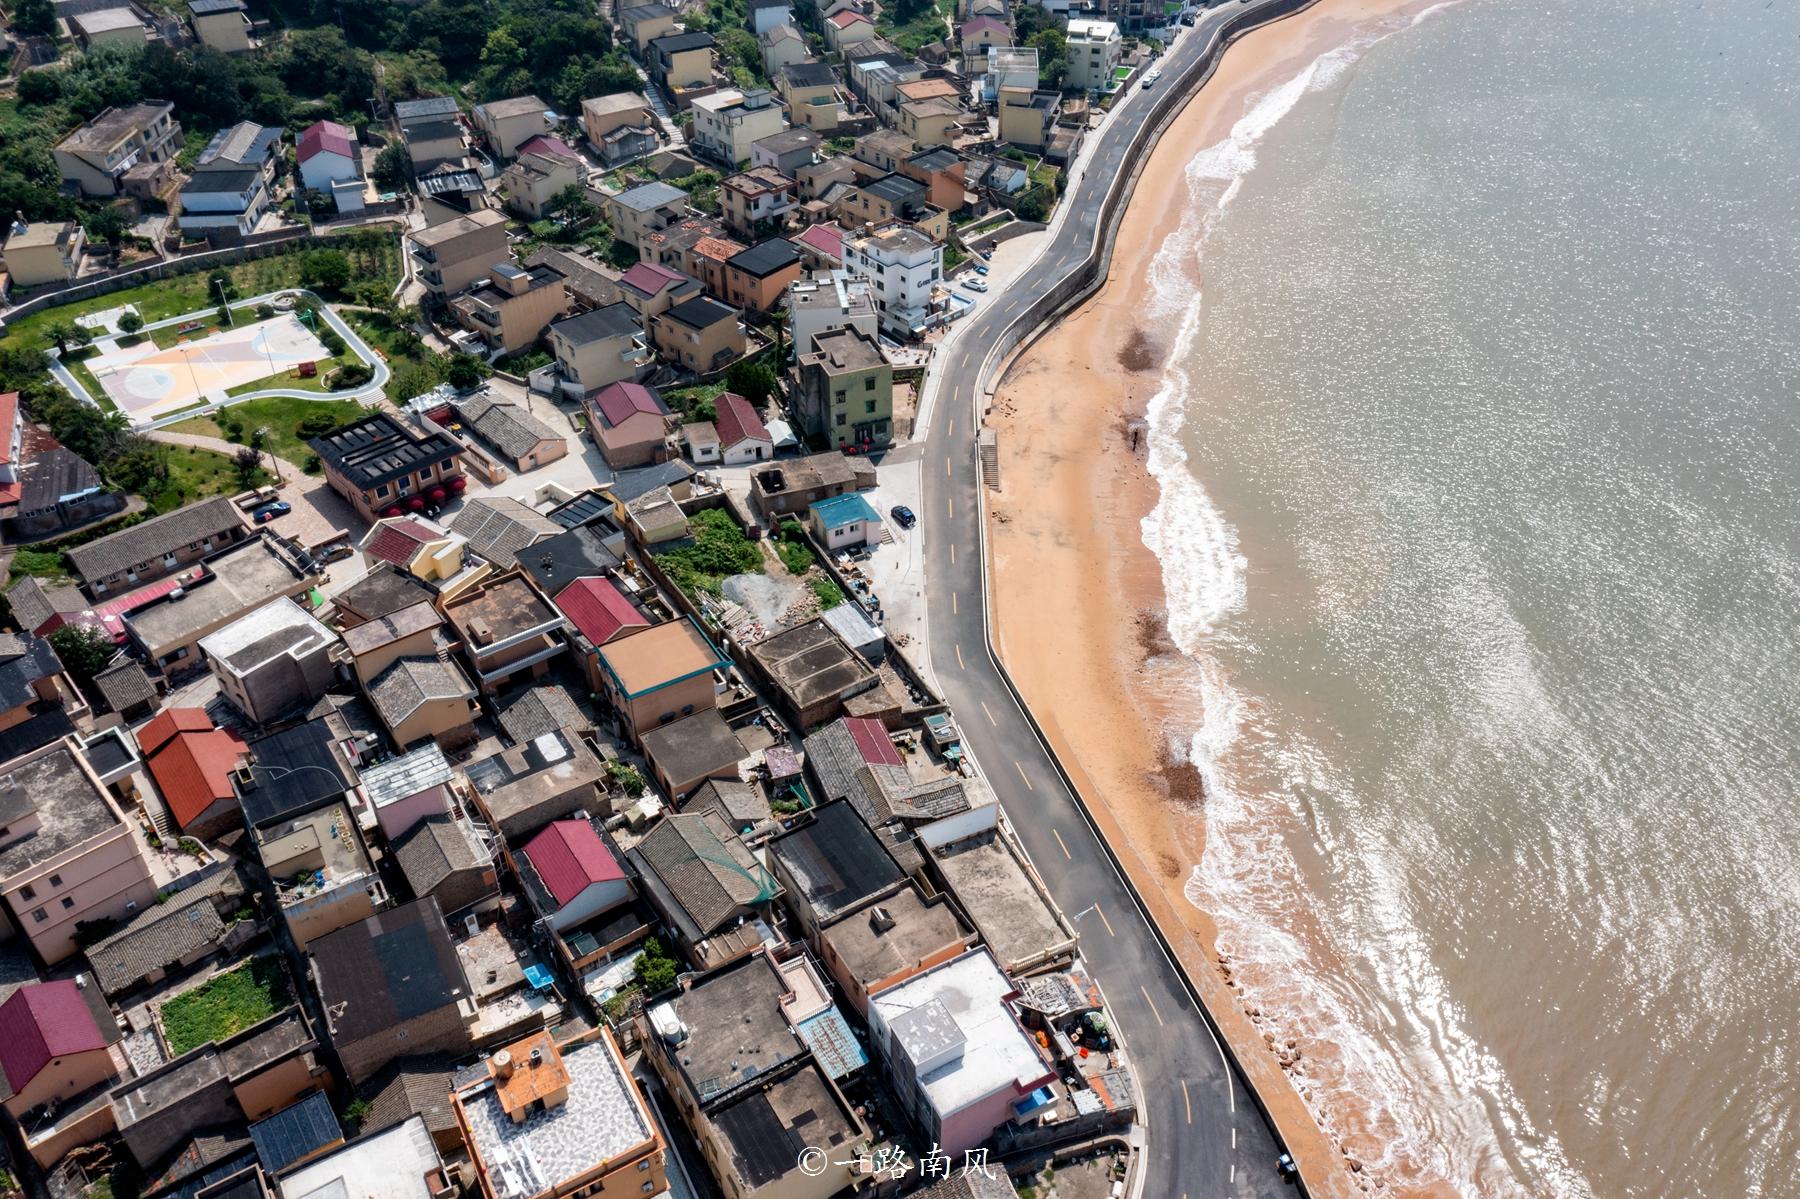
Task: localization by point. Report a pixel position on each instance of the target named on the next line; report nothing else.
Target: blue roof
(841, 510)
(296, 1133)
(834, 1046)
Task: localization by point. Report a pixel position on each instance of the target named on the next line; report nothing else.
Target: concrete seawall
(1323, 1170)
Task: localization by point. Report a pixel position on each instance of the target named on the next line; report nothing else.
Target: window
(645, 1164)
(840, 418)
(40, 915)
(67, 903)
(869, 406)
(27, 894)
(869, 383)
(382, 492)
(56, 880)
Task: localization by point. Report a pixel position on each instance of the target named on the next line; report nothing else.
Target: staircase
(987, 447)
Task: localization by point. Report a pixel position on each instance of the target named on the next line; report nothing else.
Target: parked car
(903, 516)
(1152, 77)
(269, 512)
(981, 268)
(975, 284)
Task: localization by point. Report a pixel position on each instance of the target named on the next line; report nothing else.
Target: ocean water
(1478, 451)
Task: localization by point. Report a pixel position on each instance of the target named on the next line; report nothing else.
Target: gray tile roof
(155, 537)
(647, 196)
(124, 685)
(410, 683)
(705, 868)
(407, 1087)
(33, 603)
(163, 934)
(431, 851)
(545, 708)
(498, 528)
(513, 430)
(24, 660)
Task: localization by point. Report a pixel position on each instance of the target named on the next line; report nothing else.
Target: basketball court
(147, 382)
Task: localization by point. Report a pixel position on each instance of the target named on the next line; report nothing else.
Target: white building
(905, 269)
(221, 200)
(1094, 49)
(327, 154)
(726, 122)
(838, 301)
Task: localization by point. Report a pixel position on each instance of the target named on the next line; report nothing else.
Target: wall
(63, 1079)
(340, 907)
(396, 818)
(280, 1085)
(103, 875)
(439, 1030)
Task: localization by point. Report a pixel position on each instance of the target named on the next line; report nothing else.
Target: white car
(1152, 77)
(976, 284)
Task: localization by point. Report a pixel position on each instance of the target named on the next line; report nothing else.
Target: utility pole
(225, 303)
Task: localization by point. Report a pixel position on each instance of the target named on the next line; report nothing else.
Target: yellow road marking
(1101, 912)
(1151, 1002)
(988, 714)
(1187, 1101)
(1059, 842)
(1021, 771)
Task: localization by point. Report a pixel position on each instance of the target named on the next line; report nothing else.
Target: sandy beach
(1079, 600)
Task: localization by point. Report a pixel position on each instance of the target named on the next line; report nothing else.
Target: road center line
(1062, 845)
(1187, 1101)
(953, 603)
(1101, 912)
(1151, 1002)
(1021, 771)
(953, 553)
(946, 468)
(988, 714)
(950, 503)
(959, 661)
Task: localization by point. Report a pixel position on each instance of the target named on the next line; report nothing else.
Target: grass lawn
(296, 380)
(161, 299)
(280, 416)
(228, 1004)
(417, 367)
(197, 474)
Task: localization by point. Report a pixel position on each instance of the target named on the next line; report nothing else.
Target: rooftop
(403, 777)
(647, 197)
(297, 1132)
(518, 780)
(106, 20)
(382, 591)
(693, 747)
(416, 617)
(498, 528)
(799, 137)
(41, 1022)
(1014, 916)
(598, 324)
(164, 933)
(242, 577)
(386, 970)
(504, 608)
(619, 101)
(704, 869)
(701, 312)
(434, 848)
(427, 106)
(836, 861)
(765, 258)
(810, 664)
(69, 807)
(736, 420)
(542, 708)
(845, 349)
(770, 1128)
(649, 279)
(516, 106)
(408, 684)
(894, 935)
(437, 235)
(619, 402)
(953, 1025)
(296, 770)
(398, 539)
(846, 509)
(674, 43)
(569, 857)
(603, 1119)
(391, 1164)
(328, 834)
(278, 629)
(660, 655)
(114, 125)
(580, 551)
(731, 1028)
(599, 610)
(808, 74)
(379, 449)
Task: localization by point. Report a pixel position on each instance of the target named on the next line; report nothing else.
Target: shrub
(829, 594)
(629, 777)
(265, 312)
(792, 549)
(334, 345)
(131, 322)
(656, 970)
(355, 1112)
(316, 424)
(313, 464)
(719, 548)
(352, 374)
(46, 564)
(464, 372)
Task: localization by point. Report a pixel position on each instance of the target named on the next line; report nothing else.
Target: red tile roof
(599, 609)
(736, 419)
(398, 541)
(650, 278)
(42, 1022)
(619, 402)
(718, 248)
(872, 741)
(193, 771)
(827, 239)
(847, 18)
(570, 857)
(154, 735)
(555, 147)
(326, 136)
(9, 419)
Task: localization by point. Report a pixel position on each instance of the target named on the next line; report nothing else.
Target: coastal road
(1206, 1138)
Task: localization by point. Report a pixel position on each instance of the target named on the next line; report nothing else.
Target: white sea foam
(1406, 1055)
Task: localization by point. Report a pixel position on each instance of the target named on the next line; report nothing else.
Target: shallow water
(1477, 456)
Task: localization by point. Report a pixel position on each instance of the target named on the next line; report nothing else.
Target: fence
(99, 285)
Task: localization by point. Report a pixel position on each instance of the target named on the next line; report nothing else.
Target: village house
(782, 47)
(500, 528)
(834, 301)
(644, 23)
(422, 548)
(681, 61)
(506, 628)
(510, 310)
(444, 857)
(756, 202)
(642, 210)
(844, 391)
(99, 28)
(818, 677)
(158, 547)
(383, 468)
(415, 630)
(58, 1053)
(433, 132)
(789, 487)
(1026, 118)
(418, 697)
(847, 27)
(601, 115)
(889, 939)
(522, 440)
(167, 630)
(657, 675)
(706, 885)
(629, 424)
(756, 279)
(701, 334)
(324, 880)
(526, 786)
(221, 25)
(821, 247)
(44, 253)
(727, 122)
(786, 151)
(906, 268)
(1094, 49)
(67, 855)
(706, 262)
(544, 169)
(598, 348)
(847, 522)
(742, 435)
(330, 162)
(570, 875)
(505, 125)
(812, 93)
(459, 252)
(941, 170)
(272, 660)
(191, 761)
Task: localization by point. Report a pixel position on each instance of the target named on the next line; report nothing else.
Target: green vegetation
(227, 1004)
(737, 48)
(718, 550)
(417, 367)
(628, 777)
(656, 970)
(84, 650)
(355, 1112)
(828, 593)
(791, 547)
(695, 403)
(914, 24)
(92, 932)
(43, 564)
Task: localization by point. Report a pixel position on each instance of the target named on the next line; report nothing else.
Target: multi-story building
(781, 47)
(512, 308)
(158, 547)
(845, 391)
(505, 125)
(644, 23)
(810, 90)
(756, 202)
(648, 208)
(214, 202)
(166, 627)
(1026, 118)
(728, 121)
(701, 334)
(67, 854)
(44, 253)
(679, 61)
(327, 155)
(382, 467)
(891, 198)
(942, 171)
(756, 279)
(122, 150)
(507, 630)
(1094, 49)
(906, 269)
(221, 25)
(601, 115)
(560, 1121)
(455, 254)
(544, 168)
(432, 132)
(598, 348)
(847, 27)
(658, 674)
(786, 151)
(930, 122)
(834, 301)
(706, 261)
(272, 661)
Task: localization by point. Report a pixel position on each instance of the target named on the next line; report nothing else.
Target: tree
(1052, 46)
(37, 17)
(752, 379)
(141, 466)
(40, 87)
(67, 333)
(571, 207)
(393, 168)
(248, 464)
(84, 650)
(464, 372)
(656, 970)
(325, 270)
(1033, 203)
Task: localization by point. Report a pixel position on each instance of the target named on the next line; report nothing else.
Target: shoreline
(1067, 549)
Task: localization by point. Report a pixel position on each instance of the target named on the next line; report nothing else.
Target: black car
(903, 516)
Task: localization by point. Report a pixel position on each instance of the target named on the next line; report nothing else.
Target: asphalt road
(1205, 1137)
